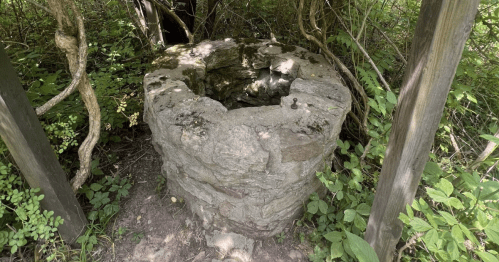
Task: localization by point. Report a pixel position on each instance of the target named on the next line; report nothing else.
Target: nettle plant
(455, 222)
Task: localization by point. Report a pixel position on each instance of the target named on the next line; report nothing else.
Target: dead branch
(408, 244)
(456, 147)
(40, 6)
(340, 65)
(389, 41)
(177, 19)
(491, 146)
(67, 42)
(366, 55)
(142, 27)
(364, 22)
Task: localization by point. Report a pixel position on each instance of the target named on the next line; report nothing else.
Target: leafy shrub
(21, 218)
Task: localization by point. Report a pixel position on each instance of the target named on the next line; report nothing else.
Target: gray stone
(244, 169)
(227, 242)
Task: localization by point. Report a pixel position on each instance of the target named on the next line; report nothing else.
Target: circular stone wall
(242, 127)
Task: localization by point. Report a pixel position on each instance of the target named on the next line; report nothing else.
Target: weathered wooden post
(22, 133)
(441, 32)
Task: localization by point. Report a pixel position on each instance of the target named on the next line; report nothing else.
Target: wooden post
(441, 32)
(22, 133)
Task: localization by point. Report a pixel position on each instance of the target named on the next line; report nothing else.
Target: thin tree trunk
(68, 44)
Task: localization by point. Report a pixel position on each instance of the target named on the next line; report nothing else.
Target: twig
(387, 87)
(389, 41)
(338, 63)
(364, 22)
(491, 146)
(40, 6)
(456, 147)
(408, 244)
(177, 19)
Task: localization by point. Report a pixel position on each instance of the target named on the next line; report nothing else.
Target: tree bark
(441, 32)
(66, 41)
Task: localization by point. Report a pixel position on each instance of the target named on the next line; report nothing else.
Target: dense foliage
(455, 216)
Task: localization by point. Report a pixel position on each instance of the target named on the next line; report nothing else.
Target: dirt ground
(150, 227)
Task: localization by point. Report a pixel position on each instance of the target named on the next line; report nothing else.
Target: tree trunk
(65, 40)
(441, 32)
(24, 136)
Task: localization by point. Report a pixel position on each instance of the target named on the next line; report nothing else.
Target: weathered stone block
(245, 169)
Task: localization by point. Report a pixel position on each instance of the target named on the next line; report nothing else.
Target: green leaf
(469, 180)
(404, 218)
(468, 234)
(445, 186)
(490, 190)
(409, 211)
(339, 195)
(457, 234)
(420, 225)
(362, 250)
(437, 195)
(349, 215)
(453, 250)
(451, 220)
(363, 209)
(359, 222)
(491, 138)
(471, 98)
(333, 236)
(323, 206)
(96, 187)
(431, 237)
(492, 231)
(390, 96)
(456, 203)
(336, 250)
(487, 257)
(313, 207)
(432, 168)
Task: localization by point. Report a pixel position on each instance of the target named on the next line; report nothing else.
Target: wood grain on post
(442, 29)
(22, 133)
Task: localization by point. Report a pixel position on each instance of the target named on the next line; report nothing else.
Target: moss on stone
(167, 62)
(247, 41)
(247, 52)
(193, 82)
(312, 60)
(285, 48)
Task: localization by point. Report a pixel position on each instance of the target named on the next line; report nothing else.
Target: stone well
(242, 127)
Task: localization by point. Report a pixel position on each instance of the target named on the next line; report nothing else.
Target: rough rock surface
(239, 168)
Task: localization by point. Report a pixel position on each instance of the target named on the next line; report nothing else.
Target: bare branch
(40, 6)
(389, 41)
(177, 19)
(491, 146)
(338, 63)
(387, 87)
(142, 26)
(408, 244)
(364, 22)
(456, 147)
